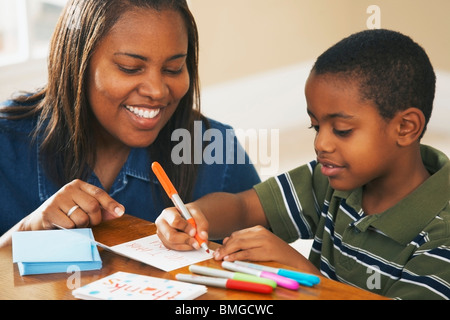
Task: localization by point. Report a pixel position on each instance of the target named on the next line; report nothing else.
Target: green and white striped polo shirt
(402, 253)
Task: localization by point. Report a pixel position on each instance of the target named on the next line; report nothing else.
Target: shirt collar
(408, 218)
(137, 166)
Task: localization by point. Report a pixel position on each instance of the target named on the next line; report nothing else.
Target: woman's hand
(176, 233)
(76, 205)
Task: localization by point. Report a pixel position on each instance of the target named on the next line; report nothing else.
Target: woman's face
(138, 75)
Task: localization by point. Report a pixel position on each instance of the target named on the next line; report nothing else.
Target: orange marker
(173, 195)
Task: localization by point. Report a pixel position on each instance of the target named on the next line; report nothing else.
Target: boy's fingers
(240, 245)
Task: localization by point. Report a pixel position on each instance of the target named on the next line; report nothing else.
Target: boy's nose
(323, 143)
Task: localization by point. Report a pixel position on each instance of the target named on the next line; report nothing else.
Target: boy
(376, 201)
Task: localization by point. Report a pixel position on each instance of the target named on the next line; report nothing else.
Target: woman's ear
(410, 125)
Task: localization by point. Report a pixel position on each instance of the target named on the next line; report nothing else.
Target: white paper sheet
(150, 250)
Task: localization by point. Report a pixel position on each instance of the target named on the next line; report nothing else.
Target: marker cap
(302, 278)
(281, 281)
(164, 179)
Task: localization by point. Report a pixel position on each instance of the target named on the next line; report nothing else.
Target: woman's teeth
(144, 113)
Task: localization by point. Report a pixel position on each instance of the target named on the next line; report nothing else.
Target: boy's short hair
(392, 70)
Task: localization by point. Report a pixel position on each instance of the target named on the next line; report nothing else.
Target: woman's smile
(136, 83)
(144, 118)
(144, 112)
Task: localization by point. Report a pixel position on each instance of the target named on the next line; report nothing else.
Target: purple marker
(280, 280)
(305, 279)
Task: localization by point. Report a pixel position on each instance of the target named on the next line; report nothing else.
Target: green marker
(212, 272)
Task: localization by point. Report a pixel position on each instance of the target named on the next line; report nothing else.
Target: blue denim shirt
(24, 185)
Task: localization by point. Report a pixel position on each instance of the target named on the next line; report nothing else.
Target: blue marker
(302, 278)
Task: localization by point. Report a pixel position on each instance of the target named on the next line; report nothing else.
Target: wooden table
(57, 286)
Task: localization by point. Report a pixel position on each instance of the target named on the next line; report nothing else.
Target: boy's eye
(342, 133)
(316, 128)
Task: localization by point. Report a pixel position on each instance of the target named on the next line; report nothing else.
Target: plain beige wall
(242, 37)
(245, 43)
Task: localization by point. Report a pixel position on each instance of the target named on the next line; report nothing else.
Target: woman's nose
(154, 86)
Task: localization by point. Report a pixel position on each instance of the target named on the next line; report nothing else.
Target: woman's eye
(174, 71)
(129, 70)
(316, 128)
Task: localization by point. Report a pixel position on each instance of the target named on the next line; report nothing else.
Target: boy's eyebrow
(145, 59)
(339, 115)
(332, 115)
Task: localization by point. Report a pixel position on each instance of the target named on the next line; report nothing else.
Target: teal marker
(305, 279)
(212, 272)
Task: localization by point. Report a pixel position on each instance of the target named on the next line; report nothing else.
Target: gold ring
(72, 210)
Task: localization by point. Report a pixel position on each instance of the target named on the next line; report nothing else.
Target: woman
(123, 76)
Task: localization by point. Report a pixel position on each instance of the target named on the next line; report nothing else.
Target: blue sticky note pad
(53, 251)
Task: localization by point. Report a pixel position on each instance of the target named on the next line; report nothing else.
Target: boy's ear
(410, 125)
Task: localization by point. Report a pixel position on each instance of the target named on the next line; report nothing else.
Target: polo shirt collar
(408, 218)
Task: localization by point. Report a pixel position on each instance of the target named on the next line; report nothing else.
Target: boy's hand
(257, 244)
(176, 233)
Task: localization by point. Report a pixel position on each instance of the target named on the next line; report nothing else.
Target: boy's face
(353, 143)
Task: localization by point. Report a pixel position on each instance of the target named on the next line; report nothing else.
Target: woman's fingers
(76, 205)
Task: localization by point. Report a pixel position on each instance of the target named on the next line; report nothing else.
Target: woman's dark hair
(65, 116)
(392, 70)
